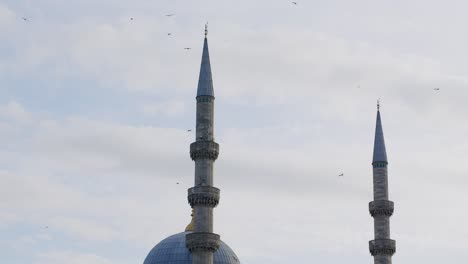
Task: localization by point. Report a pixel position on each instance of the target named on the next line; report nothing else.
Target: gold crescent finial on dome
(190, 225)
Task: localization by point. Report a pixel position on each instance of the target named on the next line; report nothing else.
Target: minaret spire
(380, 154)
(382, 247)
(203, 197)
(205, 80)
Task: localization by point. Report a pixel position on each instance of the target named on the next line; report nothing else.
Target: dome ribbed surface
(172, 250)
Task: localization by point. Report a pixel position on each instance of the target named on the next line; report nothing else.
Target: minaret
(203, 197)
(382, 247)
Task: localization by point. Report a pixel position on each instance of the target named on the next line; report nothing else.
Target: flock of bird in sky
(188, 48)
(167, 15)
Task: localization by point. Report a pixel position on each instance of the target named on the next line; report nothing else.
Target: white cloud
(170, 108)
(7, 218)
(57, 257)
(124, 173)
(7, 18)
(99, 146)
(295, 107)
(13, 111)
(84, 229)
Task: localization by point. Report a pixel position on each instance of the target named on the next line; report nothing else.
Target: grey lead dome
(172, 250)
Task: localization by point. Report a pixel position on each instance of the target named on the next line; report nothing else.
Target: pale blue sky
(94, 110)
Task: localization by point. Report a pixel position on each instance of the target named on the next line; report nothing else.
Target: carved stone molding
(204, 196)
(381, 207)
(204, 150)
(382, 247)
(205, 99)
(201, 241)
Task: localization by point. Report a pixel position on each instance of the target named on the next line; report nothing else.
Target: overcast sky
(95, 108)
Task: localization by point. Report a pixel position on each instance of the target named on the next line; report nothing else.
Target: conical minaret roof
(380, 154)
(205, 81)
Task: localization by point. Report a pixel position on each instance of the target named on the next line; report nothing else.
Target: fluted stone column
(203, 197)
(382, 247)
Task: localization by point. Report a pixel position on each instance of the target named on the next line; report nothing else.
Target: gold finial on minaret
(378, 104)
(190, 225)
(206, 29)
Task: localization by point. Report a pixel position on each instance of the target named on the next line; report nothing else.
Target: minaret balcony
(203, 196)
(381, 207)
(382, 247)
(204, 150)
(201, 241)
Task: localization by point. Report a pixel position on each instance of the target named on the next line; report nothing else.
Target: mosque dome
(172, 250)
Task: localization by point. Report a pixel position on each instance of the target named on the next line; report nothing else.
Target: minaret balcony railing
(205, 99)
(204, 150)
(203, 196)
(202, 241)
(382, 247)
(379, 164)
(381, 207)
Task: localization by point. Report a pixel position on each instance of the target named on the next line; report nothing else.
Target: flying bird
(436, 89)
(169, 15)
(295, 3)
(169, 34)
(131, 18)
(177, 183)
(24, 18)
(187, 48)
(189, 130)
(341, 175)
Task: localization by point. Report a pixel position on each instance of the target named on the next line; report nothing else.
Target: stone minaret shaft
(203, 197)
(382, 247)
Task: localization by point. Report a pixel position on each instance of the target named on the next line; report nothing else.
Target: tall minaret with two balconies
(382, 247)
(203, 197)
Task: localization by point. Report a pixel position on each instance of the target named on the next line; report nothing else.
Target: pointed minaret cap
(205, 81)
(380, 154)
